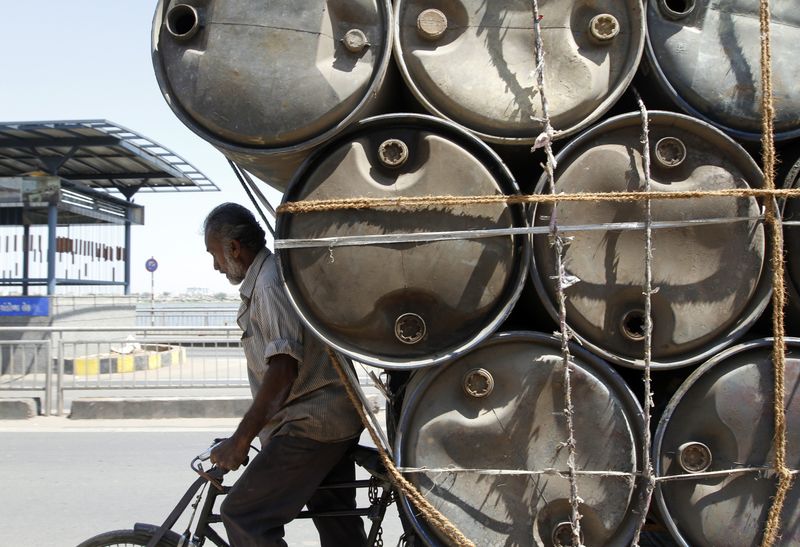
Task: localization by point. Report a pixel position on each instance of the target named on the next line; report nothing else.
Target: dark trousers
(281, 479)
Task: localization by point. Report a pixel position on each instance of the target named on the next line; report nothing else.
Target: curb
(109, 408)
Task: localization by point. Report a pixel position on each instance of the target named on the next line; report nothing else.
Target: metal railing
(54, 360)
(111, 358)
(22, 366)
(185, 316)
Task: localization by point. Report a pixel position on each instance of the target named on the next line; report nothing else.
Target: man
(300, 409)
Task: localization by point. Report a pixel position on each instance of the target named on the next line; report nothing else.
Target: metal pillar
(26, 235)
(52, 221)
(127, 257)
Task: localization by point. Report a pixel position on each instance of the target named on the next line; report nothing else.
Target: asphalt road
(65, 481)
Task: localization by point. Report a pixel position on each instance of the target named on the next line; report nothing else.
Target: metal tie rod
(424, 237)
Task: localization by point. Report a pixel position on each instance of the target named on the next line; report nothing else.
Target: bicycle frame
(364, 457)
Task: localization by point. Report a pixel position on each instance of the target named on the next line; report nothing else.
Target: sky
(91, 59)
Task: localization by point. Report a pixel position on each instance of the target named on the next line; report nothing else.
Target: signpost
(151, 265)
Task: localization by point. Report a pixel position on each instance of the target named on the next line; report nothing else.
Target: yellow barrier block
(86, 366)
(113, 363)
(125, 363)
(177, 356)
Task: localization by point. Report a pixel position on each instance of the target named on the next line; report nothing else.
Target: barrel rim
(493, 163)
(603, 370)
(378, 77)
(758, 301)
(596, 114)
(675, 400)
(666, 85)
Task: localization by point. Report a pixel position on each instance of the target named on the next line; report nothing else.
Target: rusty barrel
(705, 56)
(709, 278)
(497, 414)
(404, 302)
(721, 419)
(474, 62)
(267, 82)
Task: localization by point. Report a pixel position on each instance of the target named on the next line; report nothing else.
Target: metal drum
(705, 54)
(722, 418)
(266, 82)
(474, 61)
(501, 408)
(414, 303)
(791, 235)
(710, 279)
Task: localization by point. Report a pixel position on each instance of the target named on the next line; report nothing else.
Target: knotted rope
(544, 141)
(423, 202)
(647, 465)
(773, 526)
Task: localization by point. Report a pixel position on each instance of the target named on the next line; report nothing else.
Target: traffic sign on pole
(151, 265)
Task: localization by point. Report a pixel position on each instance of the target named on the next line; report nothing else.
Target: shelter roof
(98, 154)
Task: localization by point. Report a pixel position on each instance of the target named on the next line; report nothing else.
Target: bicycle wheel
(122, 538)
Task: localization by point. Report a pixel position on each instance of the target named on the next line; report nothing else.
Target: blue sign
(27, 306)
(151, 265)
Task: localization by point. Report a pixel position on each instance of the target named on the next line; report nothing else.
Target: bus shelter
(66, 209)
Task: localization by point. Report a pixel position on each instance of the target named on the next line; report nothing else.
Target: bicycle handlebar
(215, 473)
(207, 454)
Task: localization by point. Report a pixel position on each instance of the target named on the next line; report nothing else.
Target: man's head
(233, 238)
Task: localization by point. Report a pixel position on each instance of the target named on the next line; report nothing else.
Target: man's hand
(230, 453)
(275, 386)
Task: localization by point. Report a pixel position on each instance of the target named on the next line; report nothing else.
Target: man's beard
(234, 271)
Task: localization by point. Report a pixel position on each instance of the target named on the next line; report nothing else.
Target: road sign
(29, 306)
(151, 265)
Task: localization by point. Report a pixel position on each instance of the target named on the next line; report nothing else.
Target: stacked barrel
(401, 136)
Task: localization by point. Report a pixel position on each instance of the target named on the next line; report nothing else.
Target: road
(66, 480)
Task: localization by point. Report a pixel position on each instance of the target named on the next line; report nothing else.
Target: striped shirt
(317, 407)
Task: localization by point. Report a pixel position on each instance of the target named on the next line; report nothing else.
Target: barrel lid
(721, 418)
(706, 55)
(474, 62)
(711, 281)
(402, 304)
(499, 411)
(269, 75)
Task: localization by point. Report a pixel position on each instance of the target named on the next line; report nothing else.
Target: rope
(422, 202)
(544, 141)
(428, 511)
(647, 465)
(773, 526)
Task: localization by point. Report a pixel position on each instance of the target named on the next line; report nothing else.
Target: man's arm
(275, 388)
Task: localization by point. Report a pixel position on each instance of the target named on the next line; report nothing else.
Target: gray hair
(231, 221)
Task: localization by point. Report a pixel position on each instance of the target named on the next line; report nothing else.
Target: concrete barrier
(107, 408)
(147, 359)
(158, 407)
(18, 409)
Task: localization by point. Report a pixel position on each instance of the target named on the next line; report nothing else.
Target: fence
(187, 316)
(52, 360)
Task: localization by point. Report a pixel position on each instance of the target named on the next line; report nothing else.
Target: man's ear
(236, 248)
